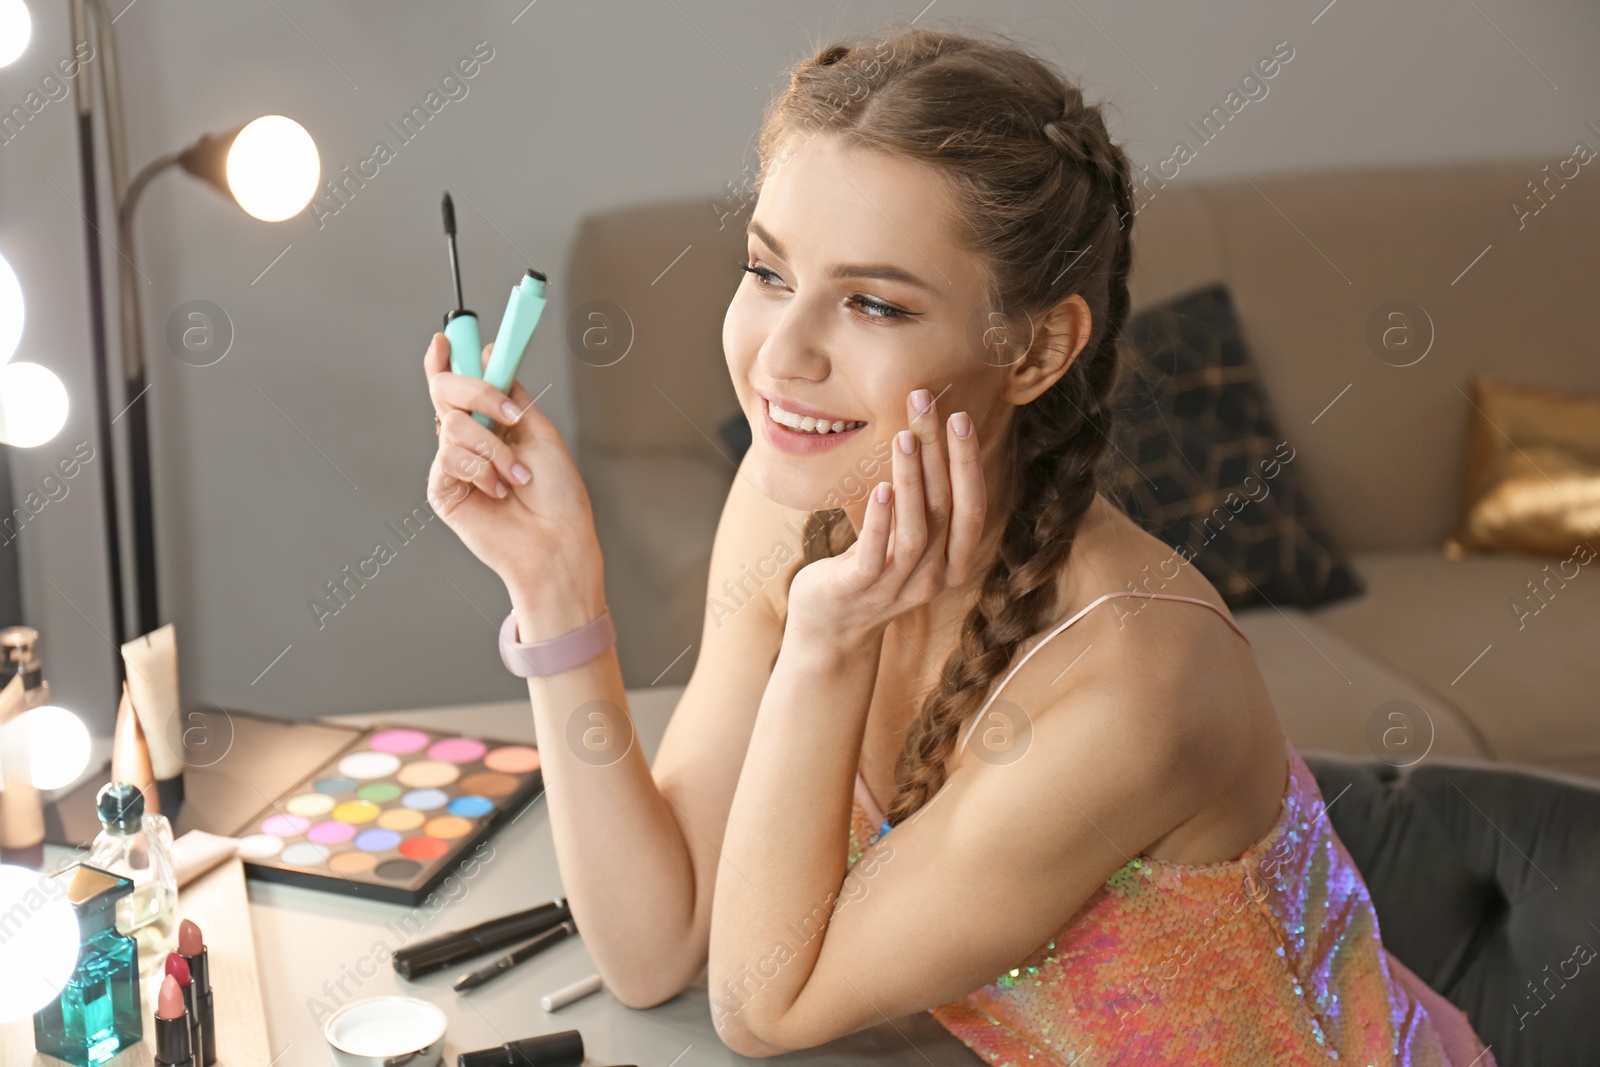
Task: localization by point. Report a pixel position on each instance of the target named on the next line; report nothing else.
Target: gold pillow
(1533, 471)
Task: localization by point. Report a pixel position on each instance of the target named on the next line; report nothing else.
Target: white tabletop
(323, 948)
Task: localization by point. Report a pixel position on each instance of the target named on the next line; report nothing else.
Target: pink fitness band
(543, 658)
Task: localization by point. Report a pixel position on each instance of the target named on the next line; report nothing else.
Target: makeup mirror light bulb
(12, 311)
(47, 745)
(16, 28)
(41, 951)
(33, 404)
(273, 168)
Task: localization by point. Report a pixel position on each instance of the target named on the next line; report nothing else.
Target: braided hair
(1045, 201)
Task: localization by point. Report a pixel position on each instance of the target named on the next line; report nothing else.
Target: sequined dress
(1270, 958)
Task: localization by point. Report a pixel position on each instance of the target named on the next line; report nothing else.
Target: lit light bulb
(48, 747)
(33, 404)
(40, 949)
(273, 168)
(11, 309)
(16, 27)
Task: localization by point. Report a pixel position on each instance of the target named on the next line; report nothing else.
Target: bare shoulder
(1168, 678)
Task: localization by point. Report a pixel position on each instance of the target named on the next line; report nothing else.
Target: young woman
(958, 753)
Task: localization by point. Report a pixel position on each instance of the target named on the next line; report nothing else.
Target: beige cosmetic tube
(21, 812)
(152, 668)
(130, 754)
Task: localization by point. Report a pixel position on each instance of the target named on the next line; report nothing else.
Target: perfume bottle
(138, 845)
(98, 1013)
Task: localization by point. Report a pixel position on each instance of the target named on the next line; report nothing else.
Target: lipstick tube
(200, 982)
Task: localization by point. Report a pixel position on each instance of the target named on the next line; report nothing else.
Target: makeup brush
(460, 325)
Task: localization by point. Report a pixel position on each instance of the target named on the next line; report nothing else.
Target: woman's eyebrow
(881, 271)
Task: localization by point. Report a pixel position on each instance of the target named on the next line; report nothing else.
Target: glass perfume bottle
(138, 846)
(98, 1013)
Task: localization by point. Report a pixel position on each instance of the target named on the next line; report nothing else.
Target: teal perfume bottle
(98, 1013)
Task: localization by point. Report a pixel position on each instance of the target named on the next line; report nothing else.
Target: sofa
(1432, 646)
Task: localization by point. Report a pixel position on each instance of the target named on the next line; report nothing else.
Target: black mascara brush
(460, 325)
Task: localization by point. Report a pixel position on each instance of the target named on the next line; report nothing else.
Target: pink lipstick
(192, 949)
(173, 1040)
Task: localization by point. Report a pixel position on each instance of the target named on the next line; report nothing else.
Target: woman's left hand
(918, 538)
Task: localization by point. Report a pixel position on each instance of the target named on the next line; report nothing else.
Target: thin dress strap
(1080, 614)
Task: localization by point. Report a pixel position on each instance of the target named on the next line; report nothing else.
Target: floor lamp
(269, 166)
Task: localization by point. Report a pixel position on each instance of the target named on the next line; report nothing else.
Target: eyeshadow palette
(390, 815)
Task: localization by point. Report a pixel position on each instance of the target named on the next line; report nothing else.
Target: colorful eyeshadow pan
(397, 870)
(388, 812)
(513, 759)
(304, 855)
(330, 833)
(356, 811)
(457, 750)
(352, 864)
(428, 774)
(377, 840)
(284, 825)
(470, 807)
(401, 819)
(422, 848)
(369, 764)
(378, 792)
(398, 742)
(425, 799)
(309, 804)
(259, 847)
(488, 784)
(448, 826)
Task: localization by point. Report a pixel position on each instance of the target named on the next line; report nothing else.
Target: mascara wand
(460, 325)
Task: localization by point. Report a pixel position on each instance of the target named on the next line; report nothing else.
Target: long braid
(1044, 185)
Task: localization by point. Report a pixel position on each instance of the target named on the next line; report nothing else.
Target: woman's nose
(794, 347)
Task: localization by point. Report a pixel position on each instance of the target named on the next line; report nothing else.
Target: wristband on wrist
(540, 659)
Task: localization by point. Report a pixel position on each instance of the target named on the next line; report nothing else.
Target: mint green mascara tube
(522, 314)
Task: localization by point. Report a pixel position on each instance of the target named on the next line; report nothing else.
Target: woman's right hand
(513, 495)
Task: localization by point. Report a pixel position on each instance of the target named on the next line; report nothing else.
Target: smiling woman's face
(857, 295)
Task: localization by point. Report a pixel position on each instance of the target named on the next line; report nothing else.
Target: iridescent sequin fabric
(1271, 958)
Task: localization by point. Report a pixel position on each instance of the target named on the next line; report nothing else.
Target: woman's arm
(638, 851)
(972, 884)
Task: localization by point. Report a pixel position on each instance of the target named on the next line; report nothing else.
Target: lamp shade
(273, 168)
(16, 27)
(33, 404)
(11, 309)
(39, 955)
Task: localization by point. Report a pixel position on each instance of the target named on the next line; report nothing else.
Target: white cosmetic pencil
(567, 994)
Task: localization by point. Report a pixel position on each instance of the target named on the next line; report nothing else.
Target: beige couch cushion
(1529, 682)
(1310, 256)
(1327, 690)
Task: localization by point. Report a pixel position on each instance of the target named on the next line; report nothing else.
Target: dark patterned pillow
(1202, 466)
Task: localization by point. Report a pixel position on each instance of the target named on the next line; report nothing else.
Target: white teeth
(807, 424)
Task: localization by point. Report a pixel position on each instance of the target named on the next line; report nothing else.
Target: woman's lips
(799, 442)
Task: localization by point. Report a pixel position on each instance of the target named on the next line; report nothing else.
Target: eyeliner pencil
(515, 956)
(425, 957)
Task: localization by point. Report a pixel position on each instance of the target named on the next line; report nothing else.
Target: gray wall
(282, 464)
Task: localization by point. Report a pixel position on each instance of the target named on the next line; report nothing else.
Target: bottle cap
(121, 807)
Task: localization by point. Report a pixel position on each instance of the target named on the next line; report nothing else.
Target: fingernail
(500, 488)
(510, 411)
(908, 441)
(961, 422)
(520, 473)
(921, 400)
(883, 492)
